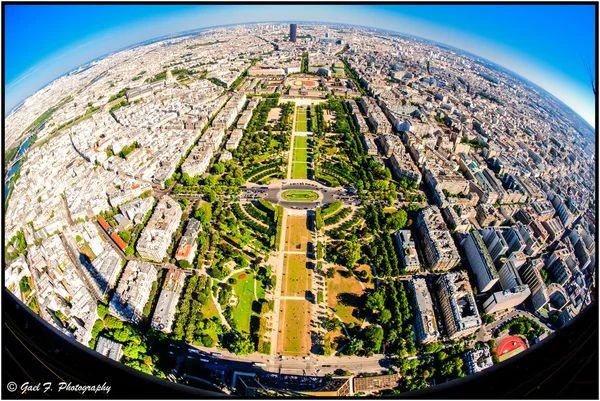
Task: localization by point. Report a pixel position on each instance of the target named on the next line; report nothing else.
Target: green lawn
(296, 280)
(301, 119)
(300, 195)
(300, 142)
(260, 290)
(244, 289)
(302, 125)
(300, 155)
(296, 329)
(300, 170)
(209, 310)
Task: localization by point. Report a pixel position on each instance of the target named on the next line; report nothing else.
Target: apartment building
(457, 305)
(155, 239)
(133, 291)
(426, 329)
(438, 248)
(166, 306)
(480, 261)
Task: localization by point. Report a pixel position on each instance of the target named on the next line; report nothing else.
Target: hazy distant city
(300, 209)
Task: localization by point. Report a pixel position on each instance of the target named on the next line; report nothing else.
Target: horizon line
(194, 30)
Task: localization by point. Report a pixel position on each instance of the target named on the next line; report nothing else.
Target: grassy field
(300, 142)
(260, 290)
(244, 289)
(343, 295)
(299, 171)
(296, 234)
(209, 310)
(296, 276)
(294, 331)
(300, 158)
(300, 195)
(301, 119)
(300, 155)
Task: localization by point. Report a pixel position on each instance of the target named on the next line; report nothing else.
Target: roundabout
(300, 195)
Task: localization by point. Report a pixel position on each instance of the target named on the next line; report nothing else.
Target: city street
(325, 365)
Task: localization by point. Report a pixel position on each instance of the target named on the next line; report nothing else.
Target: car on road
(259, 364)
(326, 366)
(216, 354)
(194, 351)
(306, 358)
(204, 360)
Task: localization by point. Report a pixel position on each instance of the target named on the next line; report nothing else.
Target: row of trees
(143, 350)
(349, 228)
(379, 250)
(388, 306)
(190, 324)
(359, 168)
(332, 208)
(338, 216)
(391, 319)
(522, 326)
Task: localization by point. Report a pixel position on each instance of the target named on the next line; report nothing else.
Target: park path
(219, 311)
(278, 268)
(290, 157)
(291, 152)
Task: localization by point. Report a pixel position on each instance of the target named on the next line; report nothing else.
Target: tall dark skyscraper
(293, 28)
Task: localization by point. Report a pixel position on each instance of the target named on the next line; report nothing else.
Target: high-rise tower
(293, 28)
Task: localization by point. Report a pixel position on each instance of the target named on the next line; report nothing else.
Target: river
(11, 174)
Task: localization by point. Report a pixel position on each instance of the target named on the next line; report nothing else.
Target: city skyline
(558, 60)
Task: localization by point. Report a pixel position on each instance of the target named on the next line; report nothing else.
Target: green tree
(241, 345)
(207, 341)
(373, 338)
(433, 347)
(219, 168)
(375, 301)
(385, 316)
(125, 236)
(204, 213)
(98, 327)
(397, 220)
(349, 253)
(102, 311)
(355, 345)
(112, 322)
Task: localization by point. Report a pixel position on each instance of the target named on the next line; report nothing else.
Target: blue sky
(543, 43)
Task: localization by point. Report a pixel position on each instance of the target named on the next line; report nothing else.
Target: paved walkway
(278, 270)
(219, 311)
